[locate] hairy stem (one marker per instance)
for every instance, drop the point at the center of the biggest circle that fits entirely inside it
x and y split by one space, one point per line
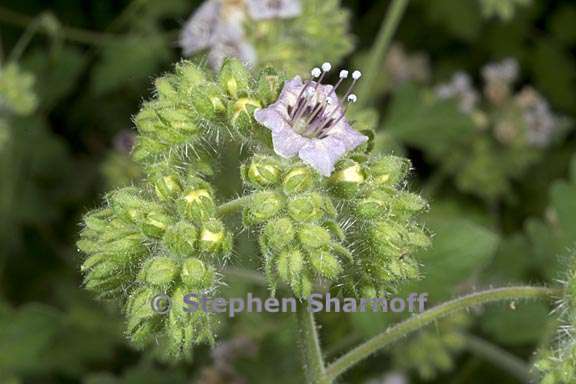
420 320
233 206
500 358
378 52
309 344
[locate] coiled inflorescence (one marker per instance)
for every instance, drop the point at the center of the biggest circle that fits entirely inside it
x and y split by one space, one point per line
350 224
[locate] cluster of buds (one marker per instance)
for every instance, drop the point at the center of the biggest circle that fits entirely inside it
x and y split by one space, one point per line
290 34
354 229
162 239
331 214
16 90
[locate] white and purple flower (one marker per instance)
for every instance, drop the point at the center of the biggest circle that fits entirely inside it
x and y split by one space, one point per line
308 120
273 9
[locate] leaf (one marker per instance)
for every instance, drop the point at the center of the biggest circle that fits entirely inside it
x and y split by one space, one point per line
426 124
130 60
522 324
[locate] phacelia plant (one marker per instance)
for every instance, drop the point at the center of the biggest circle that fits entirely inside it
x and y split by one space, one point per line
324 210
291 35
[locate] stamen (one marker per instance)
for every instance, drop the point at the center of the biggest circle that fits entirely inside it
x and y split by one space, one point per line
356 75
315 72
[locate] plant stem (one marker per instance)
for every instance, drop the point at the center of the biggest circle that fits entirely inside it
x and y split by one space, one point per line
500 358
233 205
73 34
378 52
310 347
420 320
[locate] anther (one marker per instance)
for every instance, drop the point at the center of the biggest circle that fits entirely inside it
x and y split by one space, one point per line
326 67
343 74
316 72
352 98
356 75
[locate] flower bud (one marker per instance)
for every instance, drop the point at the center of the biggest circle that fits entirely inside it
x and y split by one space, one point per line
418 238
307 207
129 205
376 204
408 203
302 285
325 264
195 274
289 265
262 171
208 100
241 115
146 147
269 86
386 237
165 88
181 239
389 170
234 78
155 223
299 179
178 126
262 207
214 238
159 271
98 220
190 75
197 203
167 187
278 234
348 178
314 236
141 316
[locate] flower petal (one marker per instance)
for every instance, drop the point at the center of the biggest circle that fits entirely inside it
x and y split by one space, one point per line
288 143
323 154
199 29
271 118
269 9
350 137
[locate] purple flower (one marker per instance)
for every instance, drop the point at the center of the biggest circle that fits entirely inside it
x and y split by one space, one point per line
270 9
219 27
308 120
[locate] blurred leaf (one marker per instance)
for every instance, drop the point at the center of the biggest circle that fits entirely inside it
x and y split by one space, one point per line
431 126
521 325
129 60
462 18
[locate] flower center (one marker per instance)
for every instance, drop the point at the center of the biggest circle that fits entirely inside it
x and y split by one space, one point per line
317 108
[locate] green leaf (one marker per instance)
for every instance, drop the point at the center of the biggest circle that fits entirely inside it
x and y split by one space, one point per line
433 126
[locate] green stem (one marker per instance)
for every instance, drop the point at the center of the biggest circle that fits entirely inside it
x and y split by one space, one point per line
420 320
378 52
500 358
73 34
233 205
309 344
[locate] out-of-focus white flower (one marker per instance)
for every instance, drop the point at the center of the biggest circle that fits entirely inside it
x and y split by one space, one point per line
460 88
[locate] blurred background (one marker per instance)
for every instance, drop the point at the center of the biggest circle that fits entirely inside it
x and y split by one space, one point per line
479 94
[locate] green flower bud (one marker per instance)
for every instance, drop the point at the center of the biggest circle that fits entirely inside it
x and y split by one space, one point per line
302 285
241 115
98 220
159 271
262 207
348 178
408 203
147 121
307 207
195 274
325 264
289 265
234 78
155 223
181 239
314 236
214 238
146 148
190 75
386 237
178 126
299 179
127 246
279 233
128 204
208 100
197 203
167 187
418 238
376 204
269 86
262 171
165 87
141 325
390 170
